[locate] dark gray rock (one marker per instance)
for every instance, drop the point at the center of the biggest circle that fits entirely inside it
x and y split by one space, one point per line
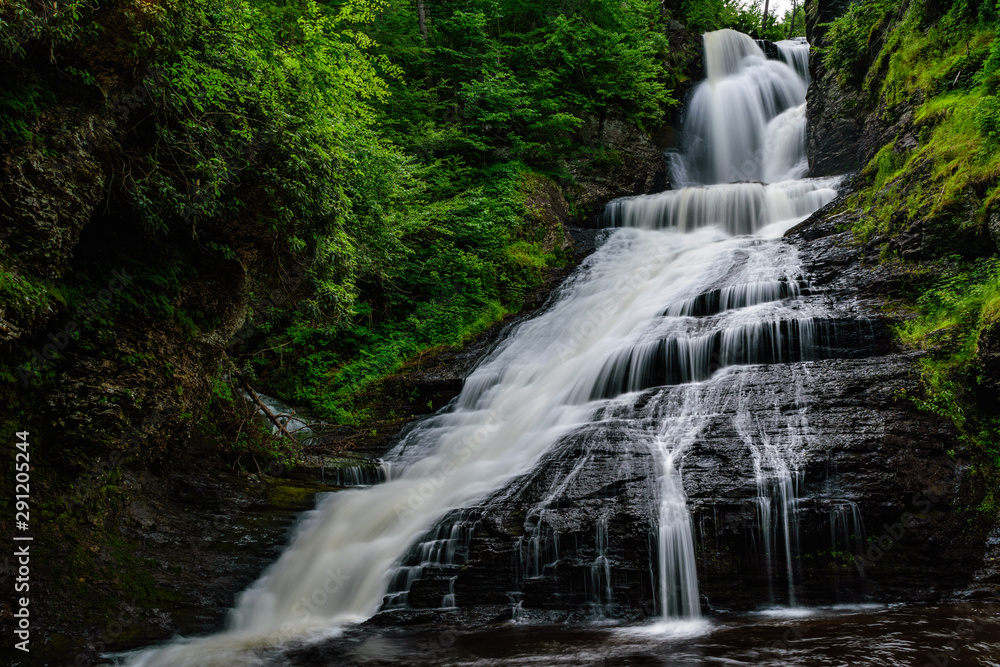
993 226
988 358
624 162
769 48
834 130
818 14
48 198
833 134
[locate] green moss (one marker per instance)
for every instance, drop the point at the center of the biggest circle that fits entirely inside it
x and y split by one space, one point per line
27 298
945 62
952 314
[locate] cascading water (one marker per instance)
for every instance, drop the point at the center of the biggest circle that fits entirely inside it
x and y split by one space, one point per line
674 300
599 588
745 101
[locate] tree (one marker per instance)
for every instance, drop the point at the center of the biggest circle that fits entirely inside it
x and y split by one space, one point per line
791 22
422 18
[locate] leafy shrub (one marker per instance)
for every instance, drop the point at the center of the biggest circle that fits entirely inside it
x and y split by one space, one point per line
852 36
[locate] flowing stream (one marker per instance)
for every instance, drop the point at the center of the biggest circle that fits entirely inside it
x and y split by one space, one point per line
689 292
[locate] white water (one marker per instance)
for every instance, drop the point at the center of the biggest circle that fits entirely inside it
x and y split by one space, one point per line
728 117
625 321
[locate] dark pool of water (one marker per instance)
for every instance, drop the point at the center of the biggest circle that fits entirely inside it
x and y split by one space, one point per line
936 636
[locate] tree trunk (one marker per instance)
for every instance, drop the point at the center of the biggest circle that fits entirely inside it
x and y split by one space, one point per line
791 24
270 415
763 20
422 19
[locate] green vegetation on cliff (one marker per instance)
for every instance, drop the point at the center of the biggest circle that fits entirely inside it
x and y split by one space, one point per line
927 75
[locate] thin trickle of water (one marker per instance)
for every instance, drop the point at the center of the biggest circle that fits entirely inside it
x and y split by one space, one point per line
678 577
600 571
847 528
448 601
775 446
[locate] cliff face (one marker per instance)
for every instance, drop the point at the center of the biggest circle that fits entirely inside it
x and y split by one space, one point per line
834 133
879 507
924 230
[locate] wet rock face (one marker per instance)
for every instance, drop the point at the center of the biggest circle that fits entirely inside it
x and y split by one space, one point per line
872 492
821 12
769 48
834 130
833 133
988 359
993 227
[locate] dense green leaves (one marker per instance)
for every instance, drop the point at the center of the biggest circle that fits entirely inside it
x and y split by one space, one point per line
521 76
393 165
275 101
746 16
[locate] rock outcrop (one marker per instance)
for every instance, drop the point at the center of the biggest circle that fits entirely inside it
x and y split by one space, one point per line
623 162
834 131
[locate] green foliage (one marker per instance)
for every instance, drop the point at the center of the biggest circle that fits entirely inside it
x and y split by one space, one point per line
271 101
20 103
855 33
500 79
794 22
496 92
468 265
27 25
953 312
27 299
394 166
746 16
944 60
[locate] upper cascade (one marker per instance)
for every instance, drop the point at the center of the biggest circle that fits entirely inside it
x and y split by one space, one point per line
795 52
725 51
746 121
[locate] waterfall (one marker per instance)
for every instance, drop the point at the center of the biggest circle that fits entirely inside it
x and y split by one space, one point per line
692 290
728 116
678 578
795 52
599 584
